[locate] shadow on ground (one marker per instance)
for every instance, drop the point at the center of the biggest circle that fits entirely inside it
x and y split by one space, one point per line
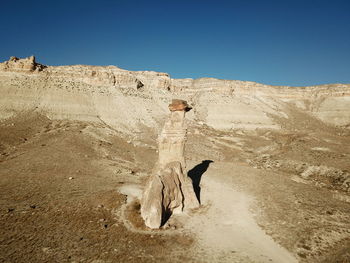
196 174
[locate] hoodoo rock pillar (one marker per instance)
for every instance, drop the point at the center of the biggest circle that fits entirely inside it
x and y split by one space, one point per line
169 189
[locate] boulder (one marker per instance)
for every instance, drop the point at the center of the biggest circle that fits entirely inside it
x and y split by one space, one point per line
163 195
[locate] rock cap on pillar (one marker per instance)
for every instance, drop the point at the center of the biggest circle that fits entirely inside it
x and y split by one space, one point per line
179 105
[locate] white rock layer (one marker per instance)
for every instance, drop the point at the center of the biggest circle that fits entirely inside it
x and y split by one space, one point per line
127 100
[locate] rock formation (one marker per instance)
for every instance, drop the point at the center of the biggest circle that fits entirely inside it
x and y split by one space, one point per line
169 190
128 100
21 65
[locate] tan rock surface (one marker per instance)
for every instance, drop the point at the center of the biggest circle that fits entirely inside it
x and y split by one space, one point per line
127 100
169 190
21 65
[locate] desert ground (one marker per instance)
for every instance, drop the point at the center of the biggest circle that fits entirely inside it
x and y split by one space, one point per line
69 193
70 183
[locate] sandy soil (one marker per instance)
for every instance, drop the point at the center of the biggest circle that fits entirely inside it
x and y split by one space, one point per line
69 193
228 226
48 217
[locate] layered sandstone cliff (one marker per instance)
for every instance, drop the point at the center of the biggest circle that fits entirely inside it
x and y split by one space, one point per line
127 100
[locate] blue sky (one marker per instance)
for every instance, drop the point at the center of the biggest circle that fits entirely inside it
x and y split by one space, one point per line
295 43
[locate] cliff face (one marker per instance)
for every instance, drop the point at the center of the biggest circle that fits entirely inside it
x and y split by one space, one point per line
127 100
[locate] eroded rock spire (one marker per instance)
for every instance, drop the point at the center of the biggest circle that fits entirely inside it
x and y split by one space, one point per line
169 190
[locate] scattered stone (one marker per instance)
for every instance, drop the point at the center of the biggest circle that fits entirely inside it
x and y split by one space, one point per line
70 178
33 206
139 84
45 249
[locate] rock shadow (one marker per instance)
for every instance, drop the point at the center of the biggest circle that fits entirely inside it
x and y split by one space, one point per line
196 174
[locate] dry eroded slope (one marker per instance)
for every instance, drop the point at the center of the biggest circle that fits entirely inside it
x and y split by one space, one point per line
126 99
274 183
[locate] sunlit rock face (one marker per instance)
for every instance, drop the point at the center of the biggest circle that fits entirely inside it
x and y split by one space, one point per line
169 190
129 100
21 65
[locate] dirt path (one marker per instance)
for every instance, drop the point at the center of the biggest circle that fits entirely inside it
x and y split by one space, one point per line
227 231
224 228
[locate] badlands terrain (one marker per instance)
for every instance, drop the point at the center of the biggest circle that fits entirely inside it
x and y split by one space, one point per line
270 166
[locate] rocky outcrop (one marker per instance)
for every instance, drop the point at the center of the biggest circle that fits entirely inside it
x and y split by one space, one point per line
109 76
250 105
21 65
169 190
122 99
127 100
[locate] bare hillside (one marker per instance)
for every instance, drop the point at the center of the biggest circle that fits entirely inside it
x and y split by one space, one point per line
270 166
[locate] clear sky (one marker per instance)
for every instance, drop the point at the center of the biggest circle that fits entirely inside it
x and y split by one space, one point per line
279 42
